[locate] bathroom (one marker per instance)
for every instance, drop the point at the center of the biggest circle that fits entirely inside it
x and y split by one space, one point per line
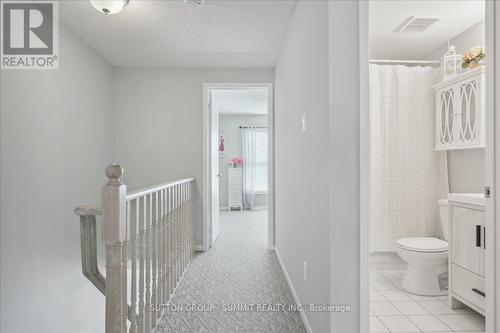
427 165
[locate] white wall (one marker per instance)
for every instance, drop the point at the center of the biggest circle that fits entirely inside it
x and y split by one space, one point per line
474 36
301 159
56 140
229 126
159 125
344 170
465 167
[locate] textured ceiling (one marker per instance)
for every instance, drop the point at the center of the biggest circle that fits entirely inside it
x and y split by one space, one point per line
221 34
386 15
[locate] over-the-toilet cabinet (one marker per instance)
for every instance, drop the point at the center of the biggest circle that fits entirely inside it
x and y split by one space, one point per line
467 246
460 111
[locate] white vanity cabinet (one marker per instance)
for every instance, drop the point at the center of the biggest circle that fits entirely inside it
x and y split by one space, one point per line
468 240
235 188
467 246
460 106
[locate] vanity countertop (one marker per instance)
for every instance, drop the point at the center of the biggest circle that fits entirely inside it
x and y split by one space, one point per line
468 198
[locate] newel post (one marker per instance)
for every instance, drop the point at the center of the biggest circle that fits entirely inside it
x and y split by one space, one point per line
114 227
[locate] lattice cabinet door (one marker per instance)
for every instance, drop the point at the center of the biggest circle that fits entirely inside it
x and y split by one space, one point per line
446 106
471 102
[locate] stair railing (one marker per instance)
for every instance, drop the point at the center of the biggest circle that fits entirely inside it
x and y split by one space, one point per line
149 243
88 241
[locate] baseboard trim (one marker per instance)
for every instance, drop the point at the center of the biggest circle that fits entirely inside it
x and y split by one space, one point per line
236 209
292 289
198 248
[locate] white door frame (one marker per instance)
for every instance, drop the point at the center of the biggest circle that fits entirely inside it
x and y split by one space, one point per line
492 161
490 165
364 99
492 253
207 155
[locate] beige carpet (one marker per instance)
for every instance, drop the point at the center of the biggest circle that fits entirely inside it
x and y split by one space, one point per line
224 283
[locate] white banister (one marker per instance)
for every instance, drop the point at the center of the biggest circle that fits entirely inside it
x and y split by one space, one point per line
149 243
133 216
142 259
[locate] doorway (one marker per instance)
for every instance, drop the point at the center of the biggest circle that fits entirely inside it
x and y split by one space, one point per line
395 306
238 156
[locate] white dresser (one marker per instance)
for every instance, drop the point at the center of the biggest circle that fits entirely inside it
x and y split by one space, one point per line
235 188
467 250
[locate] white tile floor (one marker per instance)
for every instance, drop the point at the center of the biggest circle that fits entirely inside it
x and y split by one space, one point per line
394 310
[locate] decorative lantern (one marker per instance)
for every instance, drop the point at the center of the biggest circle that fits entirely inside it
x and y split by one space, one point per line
452 62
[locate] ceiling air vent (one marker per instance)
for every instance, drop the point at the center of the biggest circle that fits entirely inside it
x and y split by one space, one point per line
415 24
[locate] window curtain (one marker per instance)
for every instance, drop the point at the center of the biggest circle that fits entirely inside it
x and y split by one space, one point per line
248 140
406 175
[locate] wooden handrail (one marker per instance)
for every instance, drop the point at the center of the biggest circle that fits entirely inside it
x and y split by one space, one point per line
88 243
148 235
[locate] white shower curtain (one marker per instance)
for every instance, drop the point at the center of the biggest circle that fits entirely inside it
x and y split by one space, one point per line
248 141
407 176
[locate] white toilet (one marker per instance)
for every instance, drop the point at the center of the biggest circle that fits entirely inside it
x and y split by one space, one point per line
427 258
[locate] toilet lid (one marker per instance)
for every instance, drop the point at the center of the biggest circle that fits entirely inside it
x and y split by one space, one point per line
423 244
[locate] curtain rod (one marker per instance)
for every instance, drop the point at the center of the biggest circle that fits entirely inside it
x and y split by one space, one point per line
386 61
252 127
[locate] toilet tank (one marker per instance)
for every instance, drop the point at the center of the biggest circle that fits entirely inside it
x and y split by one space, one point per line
444 218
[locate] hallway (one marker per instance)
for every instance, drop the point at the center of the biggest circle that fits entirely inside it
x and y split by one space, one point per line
237 271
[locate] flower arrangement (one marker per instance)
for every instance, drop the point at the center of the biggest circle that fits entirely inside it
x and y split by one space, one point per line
474 57
236 162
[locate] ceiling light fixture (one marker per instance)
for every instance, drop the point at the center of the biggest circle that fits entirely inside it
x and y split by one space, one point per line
109 7
195 3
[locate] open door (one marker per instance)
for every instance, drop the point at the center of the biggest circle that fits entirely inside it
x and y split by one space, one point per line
214 166
212 104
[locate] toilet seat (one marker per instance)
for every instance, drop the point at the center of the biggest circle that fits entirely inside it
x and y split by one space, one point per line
422 244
